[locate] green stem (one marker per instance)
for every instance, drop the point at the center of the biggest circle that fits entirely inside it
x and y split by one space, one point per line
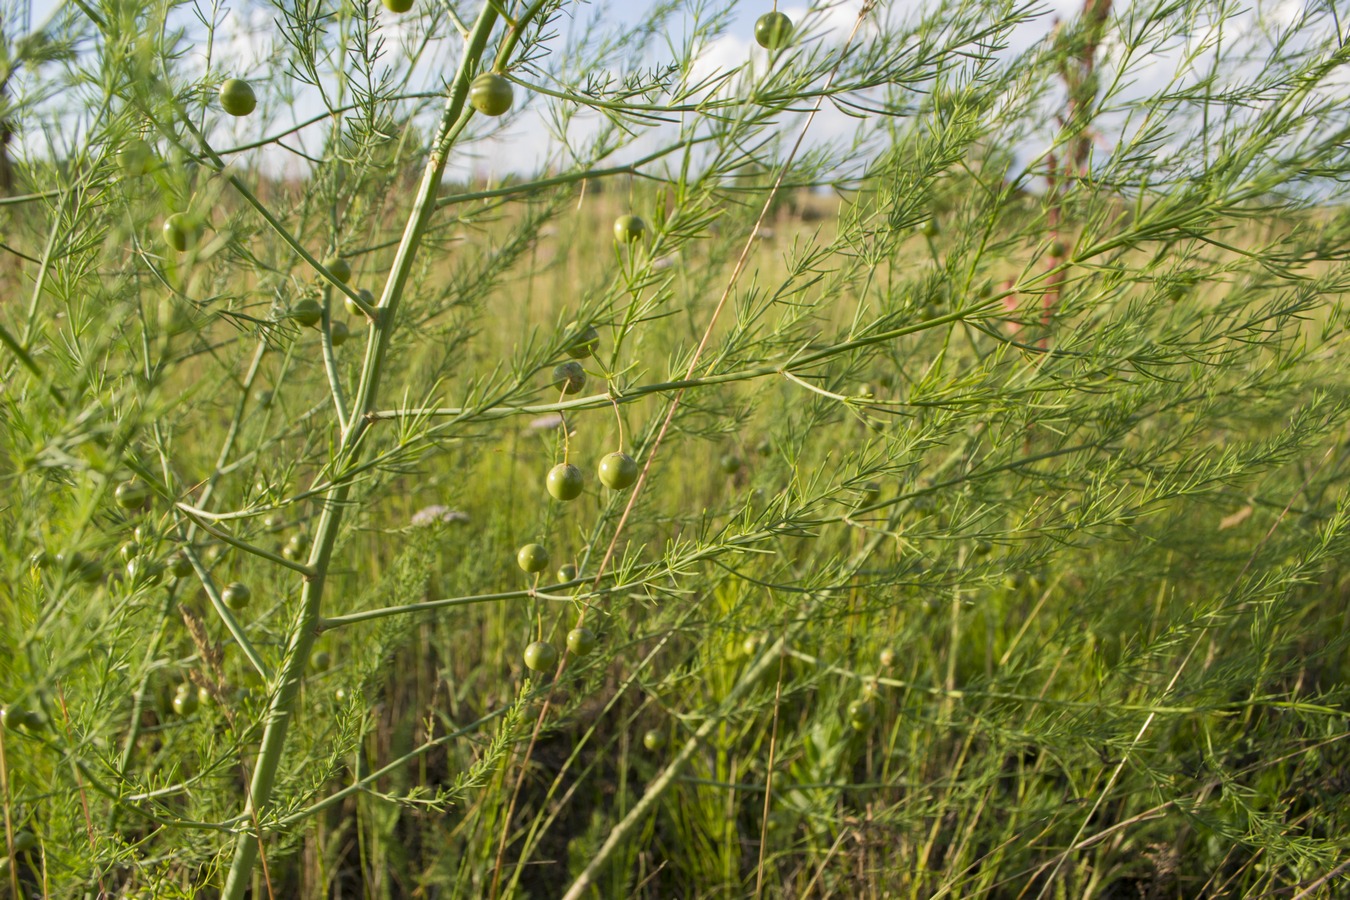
304 630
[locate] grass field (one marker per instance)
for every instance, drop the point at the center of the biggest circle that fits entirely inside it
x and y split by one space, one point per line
990 526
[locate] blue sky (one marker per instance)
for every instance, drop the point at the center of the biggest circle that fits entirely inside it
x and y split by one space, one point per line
249 31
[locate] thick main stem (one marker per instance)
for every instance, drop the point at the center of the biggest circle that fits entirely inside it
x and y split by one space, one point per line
305 628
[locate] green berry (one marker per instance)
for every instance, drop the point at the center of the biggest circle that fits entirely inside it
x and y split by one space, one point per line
569 377
237 97
307 312
135 157
629 228
581 641
321 661
236 595
618 471
146 571
491 94
297 547
339 332
532 558
860 714
730 464
87 570
565 482
773 30
928 228
180 565
24 842
339 268
186 701
181 231
581 342
398 6
352 309
541 657
653 740
566 573
132 494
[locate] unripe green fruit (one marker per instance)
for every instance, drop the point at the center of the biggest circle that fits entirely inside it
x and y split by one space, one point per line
567 572
569 377
180 565
541 657
773 31
297 547
581 342
581 641
307 312
132 494
398 6
352 309
629 228
24 842
147 571
860 714
339 332
186 701
236 595
237 97
491 94
870 494
928 228
321 661
87 570
654 740
565 482
135 157
731 464
618 471
339 268
181 231
532 558
128 551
